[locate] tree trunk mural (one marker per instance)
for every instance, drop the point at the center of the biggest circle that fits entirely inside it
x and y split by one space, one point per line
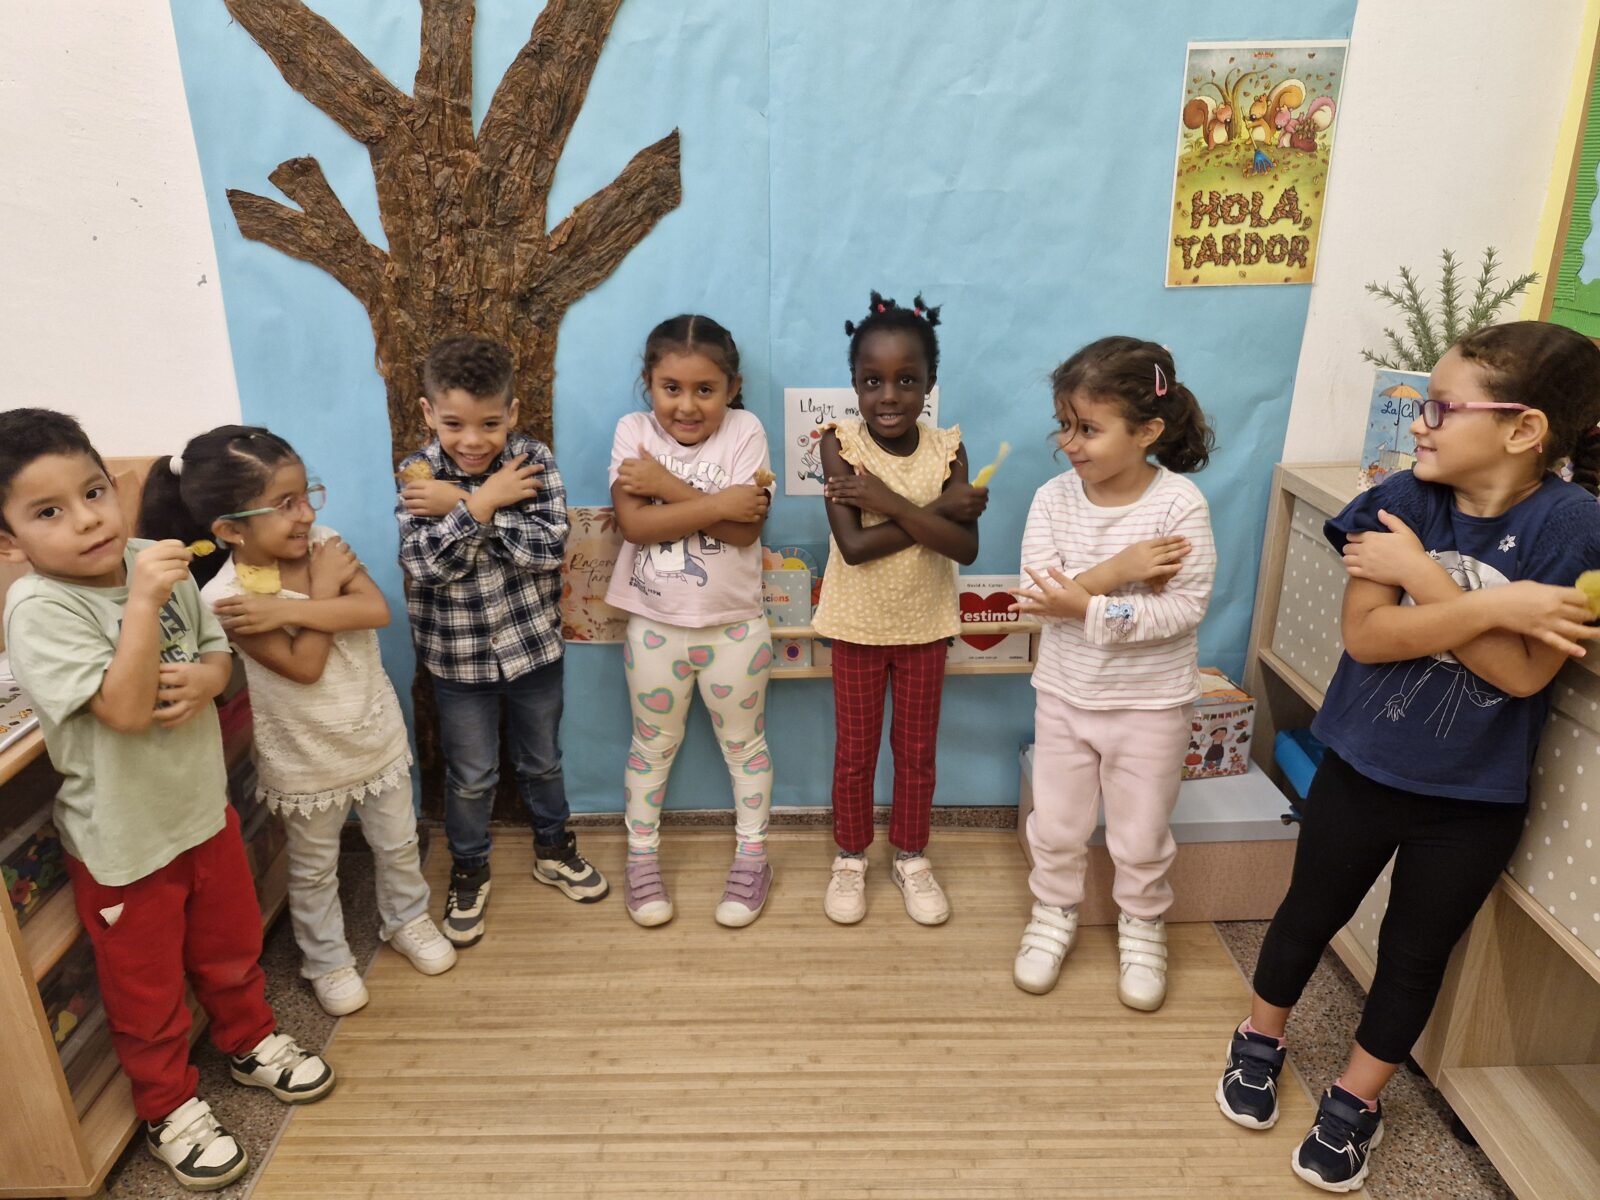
464 212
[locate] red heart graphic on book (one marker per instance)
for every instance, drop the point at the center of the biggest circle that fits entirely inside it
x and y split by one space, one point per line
986 608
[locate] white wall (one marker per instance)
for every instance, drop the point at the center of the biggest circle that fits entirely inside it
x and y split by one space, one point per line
111 307
1447 138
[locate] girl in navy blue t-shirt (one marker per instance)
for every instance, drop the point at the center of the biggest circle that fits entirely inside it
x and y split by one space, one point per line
1458 613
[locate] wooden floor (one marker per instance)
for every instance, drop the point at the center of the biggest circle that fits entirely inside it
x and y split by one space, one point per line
572 1053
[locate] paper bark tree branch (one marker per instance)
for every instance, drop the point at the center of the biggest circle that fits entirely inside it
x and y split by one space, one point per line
464 214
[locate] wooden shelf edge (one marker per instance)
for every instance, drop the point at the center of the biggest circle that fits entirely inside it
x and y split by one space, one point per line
968 629
1298 683
1008 668
1512 1109
1563 937
20 753
51 931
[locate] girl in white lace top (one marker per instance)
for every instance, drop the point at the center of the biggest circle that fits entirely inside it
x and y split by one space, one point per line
329 735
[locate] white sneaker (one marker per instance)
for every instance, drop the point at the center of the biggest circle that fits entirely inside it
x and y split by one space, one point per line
424 946
925 899
201 1154
1047 938
1143 949
845 901
340 991
278 1064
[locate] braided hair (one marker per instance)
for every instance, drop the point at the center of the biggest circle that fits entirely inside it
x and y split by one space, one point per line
884 315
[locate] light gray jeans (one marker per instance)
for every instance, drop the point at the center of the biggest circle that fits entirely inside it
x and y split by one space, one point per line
390 827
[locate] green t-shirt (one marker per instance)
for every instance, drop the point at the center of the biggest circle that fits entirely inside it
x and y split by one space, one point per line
131 802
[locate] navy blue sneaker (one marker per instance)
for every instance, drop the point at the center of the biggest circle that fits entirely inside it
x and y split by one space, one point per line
1247 1093
1334 1154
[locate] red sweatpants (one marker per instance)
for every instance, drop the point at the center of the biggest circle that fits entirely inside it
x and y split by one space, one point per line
197 919
915 677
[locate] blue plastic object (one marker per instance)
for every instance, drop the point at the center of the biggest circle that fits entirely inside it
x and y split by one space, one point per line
1299 755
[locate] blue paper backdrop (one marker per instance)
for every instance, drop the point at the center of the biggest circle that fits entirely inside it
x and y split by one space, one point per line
1012 161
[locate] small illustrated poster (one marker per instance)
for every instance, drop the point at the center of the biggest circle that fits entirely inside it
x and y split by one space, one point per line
806 412
986 599
1255 132
1397 398
594 542
786 595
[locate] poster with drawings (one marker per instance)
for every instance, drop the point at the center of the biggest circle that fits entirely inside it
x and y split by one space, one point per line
806 411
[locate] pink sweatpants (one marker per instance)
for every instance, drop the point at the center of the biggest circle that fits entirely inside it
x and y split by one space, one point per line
1132 761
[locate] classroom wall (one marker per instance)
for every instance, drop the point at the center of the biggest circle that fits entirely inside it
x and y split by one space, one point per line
824 153
1448 140
991 159
112 307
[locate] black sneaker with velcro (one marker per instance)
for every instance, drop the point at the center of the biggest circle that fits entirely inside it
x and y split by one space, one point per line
1334 1155
1247 1093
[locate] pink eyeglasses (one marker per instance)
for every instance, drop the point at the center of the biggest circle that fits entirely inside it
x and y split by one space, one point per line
1433 411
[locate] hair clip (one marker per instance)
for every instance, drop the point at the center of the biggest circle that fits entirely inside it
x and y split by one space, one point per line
1161 381
175 464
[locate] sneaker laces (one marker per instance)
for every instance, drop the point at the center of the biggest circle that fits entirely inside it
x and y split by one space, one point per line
339 976
201 1129
421 933
462 897
921 882
284 1055
849 882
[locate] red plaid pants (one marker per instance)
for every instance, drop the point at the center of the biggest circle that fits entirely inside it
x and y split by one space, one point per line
914 676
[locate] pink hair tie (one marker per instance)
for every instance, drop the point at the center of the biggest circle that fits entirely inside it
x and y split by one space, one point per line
1161 381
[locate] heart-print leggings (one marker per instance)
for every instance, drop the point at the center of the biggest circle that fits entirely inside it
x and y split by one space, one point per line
731 664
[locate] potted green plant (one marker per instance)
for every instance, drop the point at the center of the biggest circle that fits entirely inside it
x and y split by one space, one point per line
1432 325
1435 324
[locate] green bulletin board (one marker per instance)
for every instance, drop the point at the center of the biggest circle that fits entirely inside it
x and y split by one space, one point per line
1574 302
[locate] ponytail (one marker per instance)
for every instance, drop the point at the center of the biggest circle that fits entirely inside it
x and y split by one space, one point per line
1586 461
1186 443
222 471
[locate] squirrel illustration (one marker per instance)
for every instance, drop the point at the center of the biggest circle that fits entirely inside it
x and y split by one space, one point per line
1215 120
1274 122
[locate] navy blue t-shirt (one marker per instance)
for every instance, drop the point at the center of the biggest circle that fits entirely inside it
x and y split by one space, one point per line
1430 725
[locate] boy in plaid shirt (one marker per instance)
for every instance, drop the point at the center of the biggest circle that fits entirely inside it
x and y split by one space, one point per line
483 523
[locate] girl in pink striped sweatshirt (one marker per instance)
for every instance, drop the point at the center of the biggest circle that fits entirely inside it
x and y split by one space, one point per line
1118 559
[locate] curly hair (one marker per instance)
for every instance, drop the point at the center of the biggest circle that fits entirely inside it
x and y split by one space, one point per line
477 365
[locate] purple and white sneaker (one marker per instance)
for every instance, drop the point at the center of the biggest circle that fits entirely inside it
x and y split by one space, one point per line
745 893
645 893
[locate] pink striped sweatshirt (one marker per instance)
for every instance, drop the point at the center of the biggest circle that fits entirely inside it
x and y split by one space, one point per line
1134 648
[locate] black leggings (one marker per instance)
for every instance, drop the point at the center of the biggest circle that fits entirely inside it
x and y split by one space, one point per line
1450 852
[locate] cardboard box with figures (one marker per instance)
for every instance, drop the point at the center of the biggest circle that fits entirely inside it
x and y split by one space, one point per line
1220 730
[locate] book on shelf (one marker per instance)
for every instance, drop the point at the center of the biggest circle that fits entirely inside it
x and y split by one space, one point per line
17 716
1397 398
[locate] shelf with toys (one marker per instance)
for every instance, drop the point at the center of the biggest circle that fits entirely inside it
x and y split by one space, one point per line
784 633
1514 1043
55 1044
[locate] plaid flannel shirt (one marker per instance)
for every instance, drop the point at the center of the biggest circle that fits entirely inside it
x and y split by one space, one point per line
484 599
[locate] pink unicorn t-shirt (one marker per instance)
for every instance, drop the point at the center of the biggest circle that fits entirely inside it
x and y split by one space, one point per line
697 580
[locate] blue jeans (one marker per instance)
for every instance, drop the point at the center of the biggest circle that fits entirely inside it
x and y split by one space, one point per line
469 733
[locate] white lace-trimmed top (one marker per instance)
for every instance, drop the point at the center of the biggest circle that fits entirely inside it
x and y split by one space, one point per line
318 744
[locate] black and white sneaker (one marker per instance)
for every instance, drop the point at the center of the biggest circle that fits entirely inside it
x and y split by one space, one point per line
561 866
1247 1093
464 908
1334 1154
201 1154
278 1064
